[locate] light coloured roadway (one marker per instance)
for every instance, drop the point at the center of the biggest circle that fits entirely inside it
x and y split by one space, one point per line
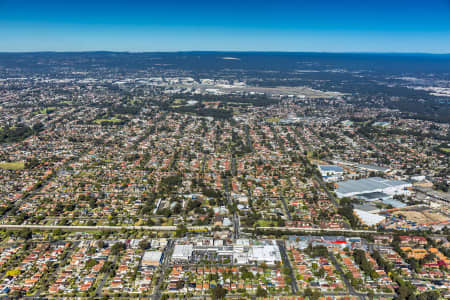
171 228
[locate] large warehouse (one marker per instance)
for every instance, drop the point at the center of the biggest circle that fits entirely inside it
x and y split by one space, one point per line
182 253
352 188
269 254
331 173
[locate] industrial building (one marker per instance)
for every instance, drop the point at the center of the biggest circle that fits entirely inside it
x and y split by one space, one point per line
152 258
242 253
268 254
331 172
367 218
182 253
336 242
381 197
351 188
372 168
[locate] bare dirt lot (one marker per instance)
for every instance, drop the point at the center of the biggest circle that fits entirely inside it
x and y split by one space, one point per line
422 217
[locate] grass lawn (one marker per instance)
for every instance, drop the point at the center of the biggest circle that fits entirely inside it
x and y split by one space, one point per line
446 150
264 223
273 120
99 121
47 110
17 165
179 101
239 104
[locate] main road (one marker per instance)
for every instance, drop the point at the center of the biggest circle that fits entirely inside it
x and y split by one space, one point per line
167 254
170 228
101 228
293 229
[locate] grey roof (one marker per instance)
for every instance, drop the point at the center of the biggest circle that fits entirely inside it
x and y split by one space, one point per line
365 207
331 168
394 203
182 251
366 185
374 196
333 238
372 167
152 256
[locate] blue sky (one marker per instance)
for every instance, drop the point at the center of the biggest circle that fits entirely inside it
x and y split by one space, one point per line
169 25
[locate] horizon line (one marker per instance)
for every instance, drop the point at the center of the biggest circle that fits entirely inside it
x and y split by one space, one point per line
224 51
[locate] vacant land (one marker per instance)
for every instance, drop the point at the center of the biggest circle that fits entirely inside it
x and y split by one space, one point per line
423 217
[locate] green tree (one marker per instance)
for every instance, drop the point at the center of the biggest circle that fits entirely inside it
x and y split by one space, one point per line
218 292
181 230
315 295
144 244
117 247
261 293
90 263
308 292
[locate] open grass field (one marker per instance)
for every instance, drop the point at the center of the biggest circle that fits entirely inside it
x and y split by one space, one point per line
99 121
179 101
265 223
47 110
238 104
446 150
273 120
17 165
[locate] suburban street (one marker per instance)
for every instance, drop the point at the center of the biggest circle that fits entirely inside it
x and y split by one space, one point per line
287 263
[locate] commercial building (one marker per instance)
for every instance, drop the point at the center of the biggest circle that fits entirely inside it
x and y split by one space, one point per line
152 258
372 168
331 172
182 253
352 188
374 196
368 218
243 252
268 254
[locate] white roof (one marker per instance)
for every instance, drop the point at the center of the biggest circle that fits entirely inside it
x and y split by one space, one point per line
182 251
240 258
152 256
242 242
267 253
368 218
330 168
367 185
